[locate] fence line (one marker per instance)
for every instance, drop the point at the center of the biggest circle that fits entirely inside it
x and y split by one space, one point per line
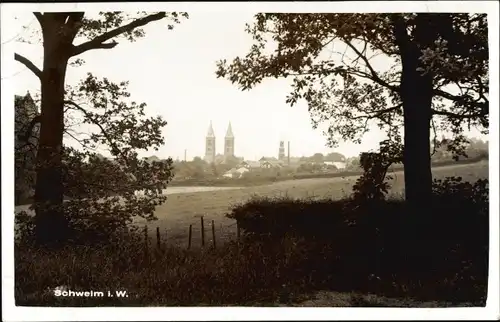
164 245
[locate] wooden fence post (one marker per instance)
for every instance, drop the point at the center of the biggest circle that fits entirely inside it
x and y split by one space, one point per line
237 231
202 232
146 239
213 232
158 240
190 235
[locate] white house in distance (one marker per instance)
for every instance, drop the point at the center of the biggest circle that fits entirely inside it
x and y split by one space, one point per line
250 164
235 172
272 164
338 165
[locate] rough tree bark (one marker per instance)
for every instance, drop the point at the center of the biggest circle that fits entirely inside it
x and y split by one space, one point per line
416 93
59 30
51 226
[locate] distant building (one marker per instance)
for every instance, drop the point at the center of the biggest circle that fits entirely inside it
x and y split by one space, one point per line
153 158
281 153
219 159
229 173
338 165
250 164
295 160
229 143
272 164
210 145
26 138
268 159
235 172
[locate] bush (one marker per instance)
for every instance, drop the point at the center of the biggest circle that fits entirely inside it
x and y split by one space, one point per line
87 227
367 243
290 248
233 275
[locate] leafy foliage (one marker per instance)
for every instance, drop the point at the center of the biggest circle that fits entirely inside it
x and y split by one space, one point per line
102 192
369 244
334 62
372 184
289 248
477 192
26 142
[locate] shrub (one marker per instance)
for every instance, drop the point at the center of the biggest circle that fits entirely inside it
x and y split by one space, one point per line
94 226
232 275
367 243
290 248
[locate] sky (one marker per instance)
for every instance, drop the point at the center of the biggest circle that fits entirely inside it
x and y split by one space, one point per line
173 72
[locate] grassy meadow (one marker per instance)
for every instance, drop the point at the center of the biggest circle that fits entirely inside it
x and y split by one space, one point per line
184 209
341 266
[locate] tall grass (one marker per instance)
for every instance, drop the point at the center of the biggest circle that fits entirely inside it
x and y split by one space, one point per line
289 249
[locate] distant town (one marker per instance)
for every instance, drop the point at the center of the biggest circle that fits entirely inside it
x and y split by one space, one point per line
228 165
126 180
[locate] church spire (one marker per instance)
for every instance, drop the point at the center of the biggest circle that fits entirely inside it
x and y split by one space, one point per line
210 133
229 133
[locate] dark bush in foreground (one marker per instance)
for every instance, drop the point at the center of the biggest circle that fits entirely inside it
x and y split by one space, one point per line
369 244
290 248
233 275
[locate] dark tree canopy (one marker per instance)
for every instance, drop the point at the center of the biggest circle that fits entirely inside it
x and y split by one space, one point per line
331 60
412 72
101 189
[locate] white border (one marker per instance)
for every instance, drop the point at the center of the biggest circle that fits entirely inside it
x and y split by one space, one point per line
12 313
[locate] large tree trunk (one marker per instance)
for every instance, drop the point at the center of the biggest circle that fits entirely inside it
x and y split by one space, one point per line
51 226
416 93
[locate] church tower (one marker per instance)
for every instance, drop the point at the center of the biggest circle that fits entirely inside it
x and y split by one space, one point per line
229 143
281 153
210 145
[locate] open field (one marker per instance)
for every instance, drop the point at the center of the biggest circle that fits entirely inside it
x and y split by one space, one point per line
185 205
269 179
183 209
159 281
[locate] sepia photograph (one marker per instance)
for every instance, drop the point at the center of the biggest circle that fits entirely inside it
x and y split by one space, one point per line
249 156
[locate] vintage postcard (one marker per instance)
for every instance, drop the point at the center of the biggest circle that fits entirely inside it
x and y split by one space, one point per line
250 160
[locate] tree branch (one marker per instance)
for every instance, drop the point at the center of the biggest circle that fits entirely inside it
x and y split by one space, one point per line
115 148
434 139
374 76
98 42
26 62
75 23
25 137
455 98
402 39
456 116
379 113
38 16
356 72
21 148
66 131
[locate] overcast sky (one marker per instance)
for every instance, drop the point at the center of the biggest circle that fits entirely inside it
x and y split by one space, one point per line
174 73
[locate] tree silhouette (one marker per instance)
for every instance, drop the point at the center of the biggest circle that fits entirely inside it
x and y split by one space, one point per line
317 157
434 76
335 157
101 103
